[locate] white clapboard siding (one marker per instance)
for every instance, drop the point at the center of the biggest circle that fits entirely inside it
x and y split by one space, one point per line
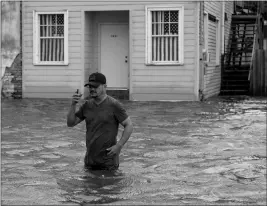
52 72
163 82
88 45
169 84
163 90
52 94
162 96
160 72
44 78
177 82
212 78
51 81
50 89
171 78
52 84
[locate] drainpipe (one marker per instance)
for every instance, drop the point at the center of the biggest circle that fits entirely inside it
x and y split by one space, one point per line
201 45
222 42
223 20
1 46
21 50
1 40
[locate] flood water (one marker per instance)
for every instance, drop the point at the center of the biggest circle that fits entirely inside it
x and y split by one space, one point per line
211 152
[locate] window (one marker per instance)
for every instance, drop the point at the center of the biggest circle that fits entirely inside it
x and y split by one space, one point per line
51 38
212 40
164 35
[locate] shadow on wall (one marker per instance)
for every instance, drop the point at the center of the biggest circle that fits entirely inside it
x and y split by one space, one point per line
12 80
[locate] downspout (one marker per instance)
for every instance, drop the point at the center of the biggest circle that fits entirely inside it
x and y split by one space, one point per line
21 48
223 20
222 43
197 76
200 37
1 68
1 46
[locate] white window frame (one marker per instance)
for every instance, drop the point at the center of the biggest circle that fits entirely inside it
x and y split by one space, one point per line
149 10
36 39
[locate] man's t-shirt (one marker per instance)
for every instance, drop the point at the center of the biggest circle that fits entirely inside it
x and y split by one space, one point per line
102 123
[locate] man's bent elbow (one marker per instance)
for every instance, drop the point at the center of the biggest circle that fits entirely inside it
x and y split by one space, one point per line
70 123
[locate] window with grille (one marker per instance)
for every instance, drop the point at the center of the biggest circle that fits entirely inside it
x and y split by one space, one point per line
51 38
164 35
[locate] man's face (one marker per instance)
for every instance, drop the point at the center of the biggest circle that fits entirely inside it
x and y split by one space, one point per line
96 91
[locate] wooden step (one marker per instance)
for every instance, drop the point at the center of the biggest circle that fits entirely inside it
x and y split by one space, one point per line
229 78
244 17
235 87
240 50
237 78
234 38
233 68
235 92
248 55
240 37
242 22
231 62
231 71
240 42
243 27
242 67
236 81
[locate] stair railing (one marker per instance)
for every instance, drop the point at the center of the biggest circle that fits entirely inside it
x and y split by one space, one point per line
253 53
255 43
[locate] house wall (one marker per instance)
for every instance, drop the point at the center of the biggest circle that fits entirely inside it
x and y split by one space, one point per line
41 81
212 72
88 47
164 82
147 82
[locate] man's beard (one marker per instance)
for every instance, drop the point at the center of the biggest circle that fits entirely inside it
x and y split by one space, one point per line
93 95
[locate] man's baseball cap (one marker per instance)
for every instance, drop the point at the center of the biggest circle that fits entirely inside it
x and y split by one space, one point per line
96 79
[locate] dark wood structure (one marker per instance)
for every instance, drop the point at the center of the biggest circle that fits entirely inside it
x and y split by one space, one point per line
243 63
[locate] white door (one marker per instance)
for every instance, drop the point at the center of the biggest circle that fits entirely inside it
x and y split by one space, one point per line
114 54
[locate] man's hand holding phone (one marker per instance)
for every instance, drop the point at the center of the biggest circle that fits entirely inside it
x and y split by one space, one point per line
76 97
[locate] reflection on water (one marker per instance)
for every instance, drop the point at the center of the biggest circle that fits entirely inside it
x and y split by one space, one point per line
198 153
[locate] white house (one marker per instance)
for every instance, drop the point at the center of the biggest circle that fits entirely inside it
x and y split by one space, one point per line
148 50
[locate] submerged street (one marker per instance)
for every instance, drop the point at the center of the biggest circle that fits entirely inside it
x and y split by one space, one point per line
211 152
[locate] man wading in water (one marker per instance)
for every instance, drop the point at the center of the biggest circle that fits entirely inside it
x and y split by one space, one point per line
102 114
